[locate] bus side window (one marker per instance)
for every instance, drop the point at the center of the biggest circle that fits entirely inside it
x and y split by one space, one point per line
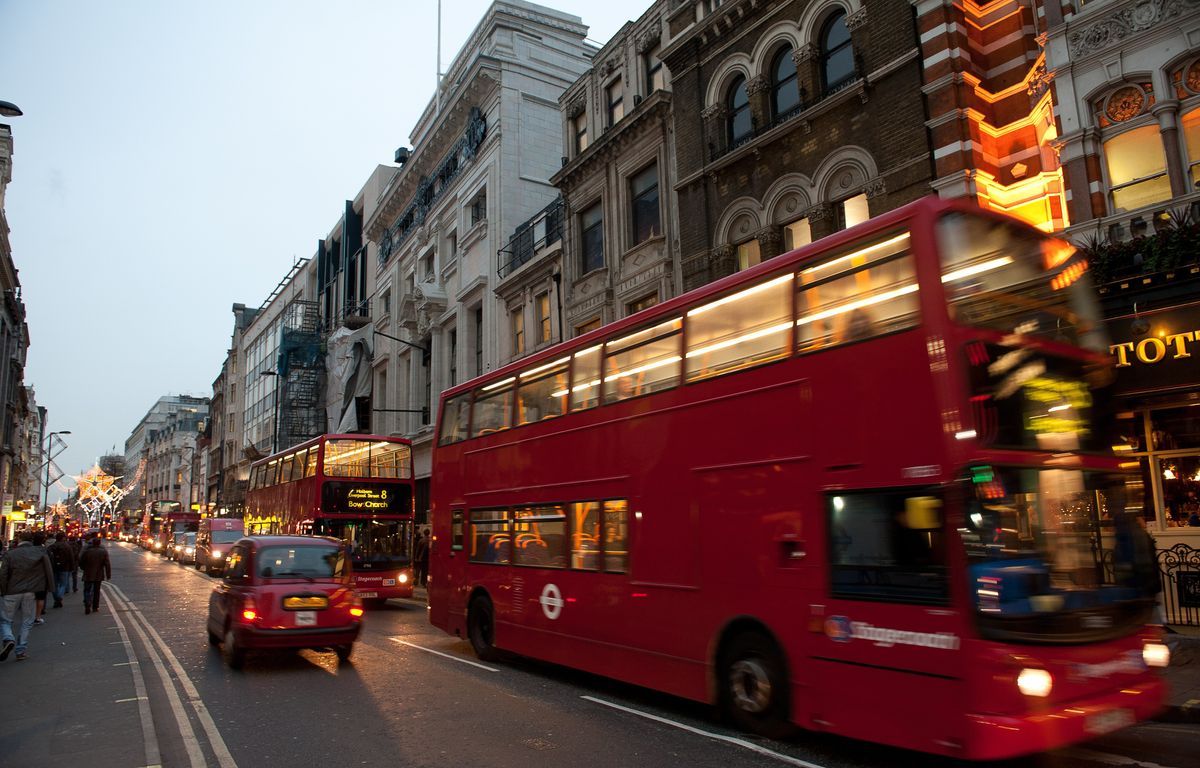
456 529
616 536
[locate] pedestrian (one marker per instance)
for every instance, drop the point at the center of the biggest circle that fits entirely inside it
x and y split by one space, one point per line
39 542
77 548
24 571
421 559
62 557
96 568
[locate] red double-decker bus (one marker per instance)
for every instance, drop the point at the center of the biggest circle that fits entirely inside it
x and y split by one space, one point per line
357 488
865 487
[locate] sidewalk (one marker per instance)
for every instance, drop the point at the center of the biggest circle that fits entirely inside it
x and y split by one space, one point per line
72 700
1183 676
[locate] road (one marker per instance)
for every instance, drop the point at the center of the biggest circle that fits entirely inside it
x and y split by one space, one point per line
413 696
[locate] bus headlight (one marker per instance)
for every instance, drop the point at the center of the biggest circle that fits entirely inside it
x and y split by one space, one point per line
402 577
1035 682
1156 655
216 555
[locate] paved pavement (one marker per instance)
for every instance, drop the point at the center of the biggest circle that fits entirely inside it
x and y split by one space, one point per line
75 696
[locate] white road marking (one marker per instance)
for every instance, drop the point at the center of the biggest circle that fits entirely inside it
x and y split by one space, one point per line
219 748
135 698
709 734
149 735
444 655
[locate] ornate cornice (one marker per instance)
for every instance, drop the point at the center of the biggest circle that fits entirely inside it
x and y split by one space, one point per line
714 112
769 237
577 105
875 188
652 114
758 84
819 212
856 19
804 54
648 39
1125 22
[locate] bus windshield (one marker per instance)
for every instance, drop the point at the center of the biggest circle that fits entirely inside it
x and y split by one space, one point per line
373 544
1009 278
347 457
1053 554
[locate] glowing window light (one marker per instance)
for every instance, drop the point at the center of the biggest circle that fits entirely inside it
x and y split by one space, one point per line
856 254
888 296
642 368
501 383
740 295
546 367
976 269
738 340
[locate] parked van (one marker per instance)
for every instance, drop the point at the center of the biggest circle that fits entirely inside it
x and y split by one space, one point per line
216 536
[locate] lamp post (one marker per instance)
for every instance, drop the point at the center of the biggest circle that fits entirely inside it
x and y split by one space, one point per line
8 109
49 458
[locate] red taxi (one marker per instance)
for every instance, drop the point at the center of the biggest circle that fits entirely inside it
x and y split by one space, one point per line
284 592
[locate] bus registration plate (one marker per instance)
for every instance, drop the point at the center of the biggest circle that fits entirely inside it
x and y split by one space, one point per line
368 594
306 618
1108 721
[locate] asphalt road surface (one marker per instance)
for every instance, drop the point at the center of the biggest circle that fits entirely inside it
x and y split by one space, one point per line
414 696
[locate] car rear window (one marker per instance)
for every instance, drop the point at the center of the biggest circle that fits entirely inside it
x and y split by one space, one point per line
304 561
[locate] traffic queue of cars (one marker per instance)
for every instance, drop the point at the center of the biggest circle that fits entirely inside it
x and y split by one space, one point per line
272 592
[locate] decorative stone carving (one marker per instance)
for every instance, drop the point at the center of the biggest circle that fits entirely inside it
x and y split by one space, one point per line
819 212
613 63
721 259
1191 78
804 54
1122 23
1125 103
714 112
769 239
577 105
856 19
648 39
874 188
1039 80
758 84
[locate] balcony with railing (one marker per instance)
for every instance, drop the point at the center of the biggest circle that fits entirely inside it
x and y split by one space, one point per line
1145 241
534 239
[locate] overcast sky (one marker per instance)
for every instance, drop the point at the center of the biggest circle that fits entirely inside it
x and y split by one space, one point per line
177 157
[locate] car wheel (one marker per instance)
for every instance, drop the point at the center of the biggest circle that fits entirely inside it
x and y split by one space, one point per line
344 651
754 686
481 628
235 655
214 639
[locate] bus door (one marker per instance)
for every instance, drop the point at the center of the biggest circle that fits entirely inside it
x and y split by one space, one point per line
886 640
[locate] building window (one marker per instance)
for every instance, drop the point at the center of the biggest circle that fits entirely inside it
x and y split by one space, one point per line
387 301
748 254
451 247
542 304
837 54
738 102
655 78
479 341
616 102
850 212
1191 135
644 188
591 225
453 357
643 303
785 88
796 234
427 267
517 321
587 327
428 376
1137 168
478 207
579 126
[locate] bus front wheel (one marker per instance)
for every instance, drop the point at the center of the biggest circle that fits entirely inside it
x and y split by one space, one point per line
481 628
753 686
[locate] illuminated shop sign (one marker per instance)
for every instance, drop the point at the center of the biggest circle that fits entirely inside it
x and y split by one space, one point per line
1155 351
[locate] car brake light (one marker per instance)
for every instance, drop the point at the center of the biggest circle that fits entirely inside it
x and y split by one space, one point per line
249 610
356 611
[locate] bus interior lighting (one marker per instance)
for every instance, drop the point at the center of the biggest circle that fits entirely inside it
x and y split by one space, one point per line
546 367
1035 682
738 340
643 368
966 434
857 254
1156 655
976 269
839 503
741 295
853 305
499 384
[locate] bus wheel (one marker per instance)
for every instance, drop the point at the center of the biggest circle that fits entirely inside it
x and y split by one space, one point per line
481 628
234 654
753 686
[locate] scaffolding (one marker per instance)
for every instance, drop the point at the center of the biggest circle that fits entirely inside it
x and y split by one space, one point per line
301 370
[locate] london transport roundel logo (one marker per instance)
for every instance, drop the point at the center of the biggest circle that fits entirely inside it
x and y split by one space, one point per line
837 628
551 600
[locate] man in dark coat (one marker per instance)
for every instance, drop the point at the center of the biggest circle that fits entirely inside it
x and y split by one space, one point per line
421 560
77 548
96 568
24 571
62 558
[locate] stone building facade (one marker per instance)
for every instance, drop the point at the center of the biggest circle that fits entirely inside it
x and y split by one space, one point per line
792 121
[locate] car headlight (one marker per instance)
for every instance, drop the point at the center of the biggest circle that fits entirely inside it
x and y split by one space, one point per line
189 551
1035 682
218 555
1156 655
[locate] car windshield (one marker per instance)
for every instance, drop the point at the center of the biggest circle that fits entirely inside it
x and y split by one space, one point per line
189 539
302 561
1054 555
225 537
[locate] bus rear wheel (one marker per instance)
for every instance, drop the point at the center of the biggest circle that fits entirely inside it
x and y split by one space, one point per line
481 628
753 686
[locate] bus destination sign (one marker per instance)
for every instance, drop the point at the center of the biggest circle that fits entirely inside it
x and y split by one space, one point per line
366 499
362 499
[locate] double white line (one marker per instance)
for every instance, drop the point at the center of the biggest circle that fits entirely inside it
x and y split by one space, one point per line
161 656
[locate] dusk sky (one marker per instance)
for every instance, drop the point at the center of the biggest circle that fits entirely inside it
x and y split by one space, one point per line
175 158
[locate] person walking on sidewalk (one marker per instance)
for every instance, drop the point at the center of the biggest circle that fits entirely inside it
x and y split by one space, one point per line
62 557
421 560
39 543
96 568
77 548
24 571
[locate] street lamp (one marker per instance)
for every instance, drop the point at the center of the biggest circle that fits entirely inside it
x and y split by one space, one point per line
8 109
49 445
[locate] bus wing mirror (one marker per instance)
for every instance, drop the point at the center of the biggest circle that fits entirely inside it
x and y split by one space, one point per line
923 513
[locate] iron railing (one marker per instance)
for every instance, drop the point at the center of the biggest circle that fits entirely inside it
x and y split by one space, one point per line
544 229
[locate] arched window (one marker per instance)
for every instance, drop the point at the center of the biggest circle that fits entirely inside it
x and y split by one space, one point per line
785 89
837 55
738 102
